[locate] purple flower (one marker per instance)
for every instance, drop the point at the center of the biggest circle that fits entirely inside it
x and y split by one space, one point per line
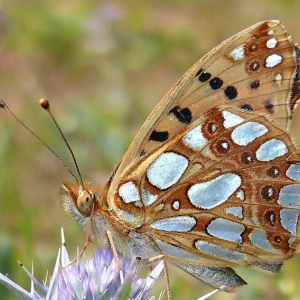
97 278
100 276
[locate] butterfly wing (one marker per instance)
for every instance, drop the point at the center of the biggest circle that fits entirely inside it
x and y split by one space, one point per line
212 177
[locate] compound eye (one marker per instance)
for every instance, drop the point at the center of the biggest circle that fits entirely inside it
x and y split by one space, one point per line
85 202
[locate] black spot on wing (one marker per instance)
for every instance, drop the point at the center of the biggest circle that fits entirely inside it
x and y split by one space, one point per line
203 75
269 106
254 84
216 83
159 136
231 92
142 153
247 107
183 115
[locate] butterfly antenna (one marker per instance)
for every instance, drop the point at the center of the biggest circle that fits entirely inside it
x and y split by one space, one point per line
4 106
46 105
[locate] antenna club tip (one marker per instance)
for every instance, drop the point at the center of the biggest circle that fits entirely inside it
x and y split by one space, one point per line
2 104
44 103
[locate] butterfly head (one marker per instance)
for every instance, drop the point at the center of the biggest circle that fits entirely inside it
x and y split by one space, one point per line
85 202
79 201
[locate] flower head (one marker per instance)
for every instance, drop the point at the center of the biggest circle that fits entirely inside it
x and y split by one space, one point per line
100 276
97 278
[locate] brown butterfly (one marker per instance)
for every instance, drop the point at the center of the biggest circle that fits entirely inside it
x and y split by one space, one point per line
212 179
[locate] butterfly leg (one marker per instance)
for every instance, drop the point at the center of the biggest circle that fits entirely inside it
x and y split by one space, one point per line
153 259
85 246
167 279
115 253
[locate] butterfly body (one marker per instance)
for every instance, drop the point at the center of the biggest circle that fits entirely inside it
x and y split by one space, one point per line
212 180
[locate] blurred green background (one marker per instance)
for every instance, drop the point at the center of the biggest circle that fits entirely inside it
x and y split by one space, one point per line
104 65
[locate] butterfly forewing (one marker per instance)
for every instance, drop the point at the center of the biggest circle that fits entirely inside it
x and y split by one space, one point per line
229 74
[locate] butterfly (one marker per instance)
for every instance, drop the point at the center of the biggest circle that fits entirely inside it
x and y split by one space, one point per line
212 179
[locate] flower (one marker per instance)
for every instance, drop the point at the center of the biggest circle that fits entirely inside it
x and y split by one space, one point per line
97 278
